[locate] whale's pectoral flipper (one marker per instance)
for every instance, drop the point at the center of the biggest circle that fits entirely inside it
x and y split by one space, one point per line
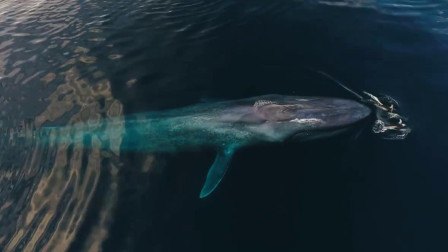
217 171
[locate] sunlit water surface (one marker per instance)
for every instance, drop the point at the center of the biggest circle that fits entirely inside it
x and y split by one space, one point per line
72 61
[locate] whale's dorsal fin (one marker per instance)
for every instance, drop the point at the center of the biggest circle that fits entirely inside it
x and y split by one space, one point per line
217 171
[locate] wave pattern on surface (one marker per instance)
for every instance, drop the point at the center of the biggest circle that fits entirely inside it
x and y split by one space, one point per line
60 60
430 14
48 75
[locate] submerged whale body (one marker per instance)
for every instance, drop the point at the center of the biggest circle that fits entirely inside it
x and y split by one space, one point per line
224 126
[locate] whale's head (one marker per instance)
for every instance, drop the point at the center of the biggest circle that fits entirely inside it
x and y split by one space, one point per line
281 117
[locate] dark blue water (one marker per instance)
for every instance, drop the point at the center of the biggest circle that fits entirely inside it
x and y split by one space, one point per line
66 61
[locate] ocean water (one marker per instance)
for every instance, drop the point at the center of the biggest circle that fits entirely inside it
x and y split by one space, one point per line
67 61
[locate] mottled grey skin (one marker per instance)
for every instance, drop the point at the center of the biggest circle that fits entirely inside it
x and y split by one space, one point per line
227 126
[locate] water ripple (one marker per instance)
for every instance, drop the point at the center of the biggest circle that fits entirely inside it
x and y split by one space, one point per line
428 14
48 73
59 60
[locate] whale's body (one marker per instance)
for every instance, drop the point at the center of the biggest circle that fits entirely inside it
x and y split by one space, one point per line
223 126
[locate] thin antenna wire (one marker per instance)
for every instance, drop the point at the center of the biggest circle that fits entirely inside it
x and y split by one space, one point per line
340 84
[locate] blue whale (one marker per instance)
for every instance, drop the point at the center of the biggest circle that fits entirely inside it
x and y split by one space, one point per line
223 126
